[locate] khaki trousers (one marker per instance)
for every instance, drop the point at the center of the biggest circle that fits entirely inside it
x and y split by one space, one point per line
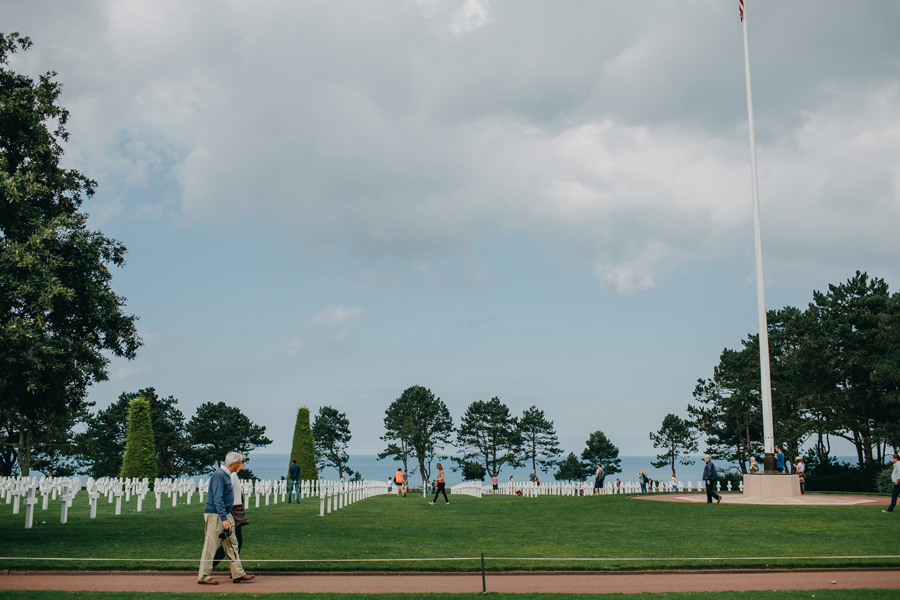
211 544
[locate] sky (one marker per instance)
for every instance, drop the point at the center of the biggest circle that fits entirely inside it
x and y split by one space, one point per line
325 203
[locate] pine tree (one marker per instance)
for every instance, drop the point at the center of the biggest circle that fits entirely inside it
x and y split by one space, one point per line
140 451
303 449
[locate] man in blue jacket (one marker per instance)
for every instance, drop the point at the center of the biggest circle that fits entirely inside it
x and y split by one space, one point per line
294 480
217 515
710 476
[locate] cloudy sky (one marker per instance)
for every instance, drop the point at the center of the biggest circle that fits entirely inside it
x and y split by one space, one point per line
549 202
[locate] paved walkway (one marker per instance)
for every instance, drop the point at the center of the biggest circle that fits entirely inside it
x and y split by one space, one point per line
804 500
578 583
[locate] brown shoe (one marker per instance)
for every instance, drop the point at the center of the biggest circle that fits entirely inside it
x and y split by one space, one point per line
244 579
209 581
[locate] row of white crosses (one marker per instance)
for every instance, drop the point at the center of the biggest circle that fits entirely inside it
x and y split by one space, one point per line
578 488
338 494
15 489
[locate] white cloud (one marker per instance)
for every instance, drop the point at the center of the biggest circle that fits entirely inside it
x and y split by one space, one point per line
130 372
334 315
610 131
296 346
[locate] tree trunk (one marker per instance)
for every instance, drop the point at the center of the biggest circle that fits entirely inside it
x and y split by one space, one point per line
23 451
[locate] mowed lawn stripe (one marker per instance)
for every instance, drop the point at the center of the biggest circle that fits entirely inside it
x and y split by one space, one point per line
609 527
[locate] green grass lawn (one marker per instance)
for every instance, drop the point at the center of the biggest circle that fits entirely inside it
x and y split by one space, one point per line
613 531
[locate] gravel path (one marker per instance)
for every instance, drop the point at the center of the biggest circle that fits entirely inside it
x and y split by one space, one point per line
579 583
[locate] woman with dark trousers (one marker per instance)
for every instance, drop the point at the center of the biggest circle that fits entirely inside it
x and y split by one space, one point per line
440 485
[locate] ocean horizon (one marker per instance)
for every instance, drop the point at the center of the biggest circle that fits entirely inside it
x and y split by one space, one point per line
275 465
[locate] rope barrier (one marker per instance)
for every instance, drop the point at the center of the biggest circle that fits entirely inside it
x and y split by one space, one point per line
464 558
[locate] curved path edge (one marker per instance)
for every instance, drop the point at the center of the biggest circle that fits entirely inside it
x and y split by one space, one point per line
511 582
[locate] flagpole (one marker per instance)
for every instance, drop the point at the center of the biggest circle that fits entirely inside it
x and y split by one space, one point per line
766 382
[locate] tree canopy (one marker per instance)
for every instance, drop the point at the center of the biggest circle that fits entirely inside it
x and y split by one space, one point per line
217 429
60 320
599 450
417 424
490 435
677 439
331 431
540 446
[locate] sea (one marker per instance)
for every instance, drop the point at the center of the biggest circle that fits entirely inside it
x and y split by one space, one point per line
274 466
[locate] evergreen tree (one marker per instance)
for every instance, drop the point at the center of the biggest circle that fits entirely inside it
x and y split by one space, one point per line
539 442
600 450
303 450
572 469
489 434
677 439
140 451
417 424
331 431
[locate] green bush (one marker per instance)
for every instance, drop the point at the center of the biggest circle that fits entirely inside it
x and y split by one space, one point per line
303 450
140 452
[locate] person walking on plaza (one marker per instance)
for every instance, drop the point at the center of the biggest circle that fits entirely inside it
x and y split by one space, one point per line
294 480
710 476
220 523
801 472
440 485
237 513
895 477
779 459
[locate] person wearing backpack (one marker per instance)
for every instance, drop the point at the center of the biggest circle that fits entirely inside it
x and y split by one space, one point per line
398 481
710 476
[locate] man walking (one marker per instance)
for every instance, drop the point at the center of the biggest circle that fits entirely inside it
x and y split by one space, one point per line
710 476
220 524
294 480
405 482
895 477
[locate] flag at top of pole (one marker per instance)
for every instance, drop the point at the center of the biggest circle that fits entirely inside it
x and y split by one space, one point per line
741 8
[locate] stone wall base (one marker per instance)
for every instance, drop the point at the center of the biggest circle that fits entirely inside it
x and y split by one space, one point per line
771 486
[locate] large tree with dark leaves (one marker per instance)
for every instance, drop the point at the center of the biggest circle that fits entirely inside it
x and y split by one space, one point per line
331 431
490 435
101 446
540 446
417 424
677 439
59 317
217 429
600 450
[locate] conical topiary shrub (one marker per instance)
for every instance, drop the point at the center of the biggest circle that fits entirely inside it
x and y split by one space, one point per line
303 449
140 451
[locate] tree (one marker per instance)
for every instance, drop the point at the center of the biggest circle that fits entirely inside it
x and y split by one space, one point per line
572 469
539 442
303 450
600 450
678 439
217 429
852 336
417 424
100 448
60 320
331 431
472 471
140 452
489 434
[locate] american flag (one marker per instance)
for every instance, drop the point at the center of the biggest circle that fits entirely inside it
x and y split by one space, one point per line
742 10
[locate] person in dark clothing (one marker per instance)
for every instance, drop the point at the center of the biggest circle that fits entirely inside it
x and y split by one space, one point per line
710 476
440 485
294 480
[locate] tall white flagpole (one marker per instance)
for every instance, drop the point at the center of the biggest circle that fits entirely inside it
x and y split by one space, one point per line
766 382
